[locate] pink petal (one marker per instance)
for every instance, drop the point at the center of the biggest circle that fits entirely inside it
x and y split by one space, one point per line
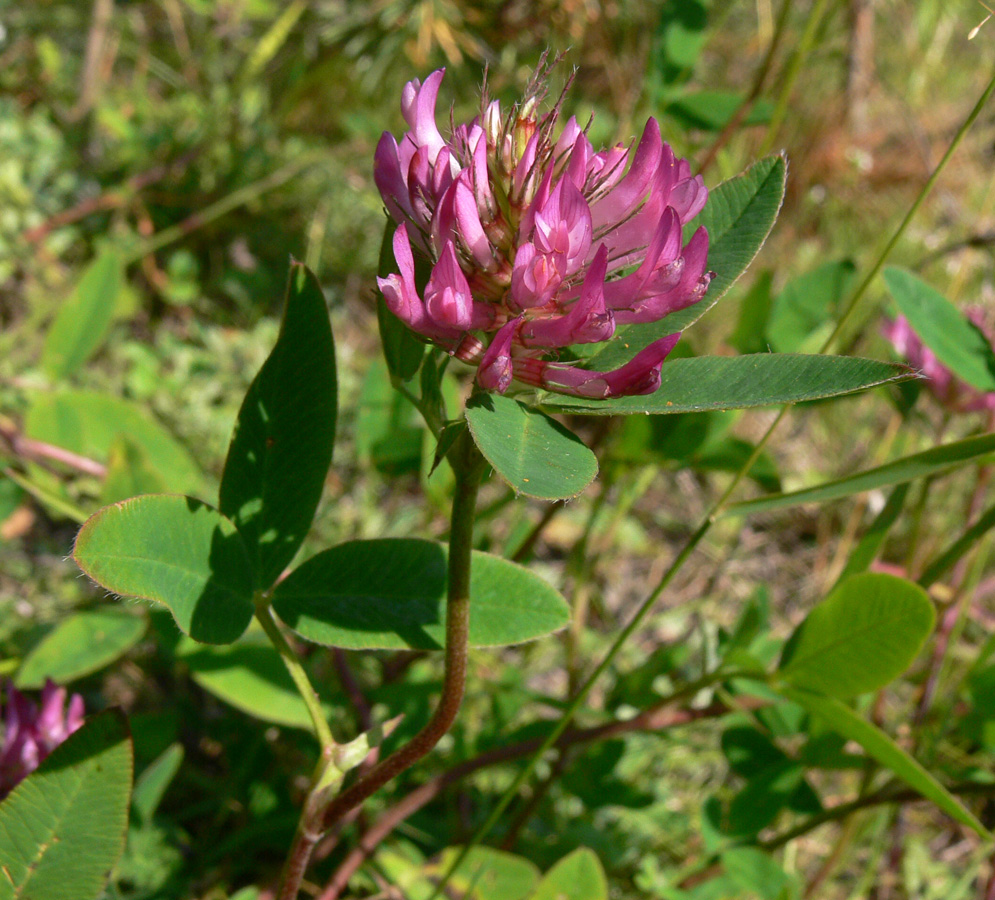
418 109
588 321
496 372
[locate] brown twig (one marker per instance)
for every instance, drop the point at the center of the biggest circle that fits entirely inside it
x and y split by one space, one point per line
41 452
656 718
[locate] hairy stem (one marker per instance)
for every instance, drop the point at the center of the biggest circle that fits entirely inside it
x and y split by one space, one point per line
468 466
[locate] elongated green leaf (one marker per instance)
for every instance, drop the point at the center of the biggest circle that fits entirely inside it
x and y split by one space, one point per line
899 471
391 594
250 676
739 215
578 876
62 828
79 645
740 382
949 557
83 320
282 445
177 551
870 544
90 423
535 454
861 637
957 342
151 785
845 722
52 497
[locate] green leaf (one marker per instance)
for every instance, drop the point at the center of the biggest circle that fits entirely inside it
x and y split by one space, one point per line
89 423
53 497
870 544
739 215
151 785
740 382
938 567
488 874
754 311
83 320
402 350
898 471
845 722
860 638
387 430
758 873
177 551
391 594
712 110
250 676
62 828
806 307
957 342
282 445
535 454
81 644
578 876
130 472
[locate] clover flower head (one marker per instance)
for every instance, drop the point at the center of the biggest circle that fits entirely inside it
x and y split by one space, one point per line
537 242
30 733
948 389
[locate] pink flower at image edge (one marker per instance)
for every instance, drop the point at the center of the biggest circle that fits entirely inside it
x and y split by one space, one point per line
948 389
30 733
537 242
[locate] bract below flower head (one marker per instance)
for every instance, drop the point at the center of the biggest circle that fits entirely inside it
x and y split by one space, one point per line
537 241
30 733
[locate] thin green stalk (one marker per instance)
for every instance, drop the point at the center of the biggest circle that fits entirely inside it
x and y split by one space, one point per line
264 615
802 51
692 543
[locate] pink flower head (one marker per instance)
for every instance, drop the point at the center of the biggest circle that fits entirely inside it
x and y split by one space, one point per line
538 242
30 734
948 389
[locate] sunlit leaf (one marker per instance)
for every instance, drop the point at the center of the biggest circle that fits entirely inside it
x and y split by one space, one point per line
740 382
860 638
177 551
282 445
391 593
535 454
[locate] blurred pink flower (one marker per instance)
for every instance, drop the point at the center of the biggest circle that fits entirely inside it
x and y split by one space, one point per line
948 389
30 733
536 241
